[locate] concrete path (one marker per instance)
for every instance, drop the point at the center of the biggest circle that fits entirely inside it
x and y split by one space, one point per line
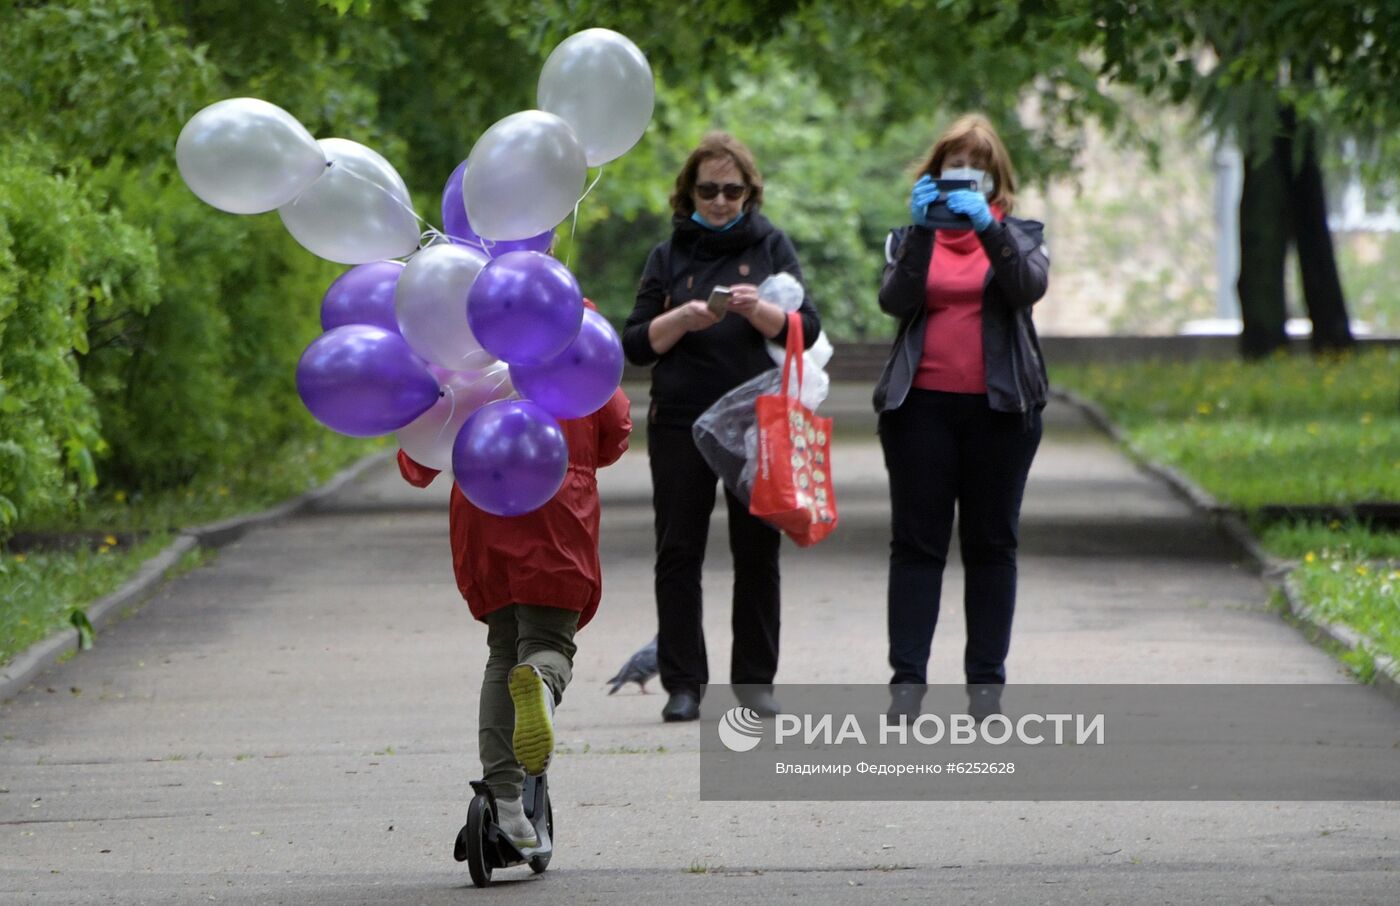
294 722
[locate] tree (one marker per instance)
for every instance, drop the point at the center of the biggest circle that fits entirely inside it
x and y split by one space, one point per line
1274 75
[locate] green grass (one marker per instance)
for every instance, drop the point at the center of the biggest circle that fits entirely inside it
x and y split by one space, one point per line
286 473
41 588
40 591
1294 541
1363 594
1289 430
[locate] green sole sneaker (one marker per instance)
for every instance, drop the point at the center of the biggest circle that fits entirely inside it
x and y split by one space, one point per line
534 719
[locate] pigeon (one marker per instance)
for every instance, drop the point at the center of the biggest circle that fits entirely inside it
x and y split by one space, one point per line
639 668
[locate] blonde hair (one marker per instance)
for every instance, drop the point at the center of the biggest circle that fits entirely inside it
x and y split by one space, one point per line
974 134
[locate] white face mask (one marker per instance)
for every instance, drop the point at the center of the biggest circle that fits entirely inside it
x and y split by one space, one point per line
985 183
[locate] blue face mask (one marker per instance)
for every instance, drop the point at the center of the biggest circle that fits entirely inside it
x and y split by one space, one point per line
717 229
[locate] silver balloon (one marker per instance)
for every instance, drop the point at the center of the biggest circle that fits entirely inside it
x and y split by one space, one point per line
358 211
524 176
247 156
430 304
600 83
429 438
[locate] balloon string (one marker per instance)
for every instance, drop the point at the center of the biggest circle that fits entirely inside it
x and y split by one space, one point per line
451 410
573 229
426 238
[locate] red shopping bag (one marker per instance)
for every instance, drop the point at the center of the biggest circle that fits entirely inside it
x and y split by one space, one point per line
792 488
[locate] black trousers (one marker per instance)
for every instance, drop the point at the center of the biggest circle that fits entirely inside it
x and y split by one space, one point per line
943 449
683 496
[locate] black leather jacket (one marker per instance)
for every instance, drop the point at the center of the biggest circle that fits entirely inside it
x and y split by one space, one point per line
1020 267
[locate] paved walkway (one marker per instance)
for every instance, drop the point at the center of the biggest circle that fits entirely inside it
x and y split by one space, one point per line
294 722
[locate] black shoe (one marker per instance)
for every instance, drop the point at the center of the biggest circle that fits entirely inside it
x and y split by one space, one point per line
758 699
682 705
983 701
906 700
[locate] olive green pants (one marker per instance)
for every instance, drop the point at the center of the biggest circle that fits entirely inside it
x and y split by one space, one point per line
519 634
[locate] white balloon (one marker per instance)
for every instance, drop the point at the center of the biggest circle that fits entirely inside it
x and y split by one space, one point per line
429 438
358 211
524 176
600 83
247 156
430 304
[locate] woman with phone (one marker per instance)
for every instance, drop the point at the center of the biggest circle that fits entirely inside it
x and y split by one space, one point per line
959 404
699 322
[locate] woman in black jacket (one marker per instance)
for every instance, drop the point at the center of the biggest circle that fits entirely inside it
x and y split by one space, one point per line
959 405
718 238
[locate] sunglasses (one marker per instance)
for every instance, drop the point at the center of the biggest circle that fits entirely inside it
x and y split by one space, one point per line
732 190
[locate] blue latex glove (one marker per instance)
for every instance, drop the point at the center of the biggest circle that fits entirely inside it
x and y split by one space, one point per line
924 194
973 205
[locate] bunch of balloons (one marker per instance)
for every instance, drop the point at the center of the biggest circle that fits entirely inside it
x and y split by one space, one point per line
474 348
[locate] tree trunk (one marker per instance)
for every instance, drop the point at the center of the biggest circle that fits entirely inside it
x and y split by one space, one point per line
1322 287
1280 202
1263 249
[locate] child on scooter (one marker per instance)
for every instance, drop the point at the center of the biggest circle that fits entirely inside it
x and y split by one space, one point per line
534 580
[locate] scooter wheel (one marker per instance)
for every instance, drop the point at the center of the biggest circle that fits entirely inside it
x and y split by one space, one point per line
471 841
539 863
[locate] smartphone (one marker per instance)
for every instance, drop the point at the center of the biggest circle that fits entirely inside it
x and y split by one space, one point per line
944 186
938 216
718 302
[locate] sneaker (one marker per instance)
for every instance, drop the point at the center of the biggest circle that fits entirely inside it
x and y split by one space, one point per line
534 718
510 818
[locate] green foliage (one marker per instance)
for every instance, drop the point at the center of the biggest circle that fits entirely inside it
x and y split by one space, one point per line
100 80
188 354
65 268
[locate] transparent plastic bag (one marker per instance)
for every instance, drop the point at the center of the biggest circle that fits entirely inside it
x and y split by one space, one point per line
727 433
784 290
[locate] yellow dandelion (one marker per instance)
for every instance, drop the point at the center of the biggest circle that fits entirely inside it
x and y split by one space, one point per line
1362 570
119 496
1203 408
110 540
1310 557
20 558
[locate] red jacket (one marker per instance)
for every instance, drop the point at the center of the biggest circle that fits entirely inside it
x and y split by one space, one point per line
549 556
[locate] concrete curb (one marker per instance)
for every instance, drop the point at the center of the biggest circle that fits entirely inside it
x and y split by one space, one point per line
1274 570
23 667
1387 670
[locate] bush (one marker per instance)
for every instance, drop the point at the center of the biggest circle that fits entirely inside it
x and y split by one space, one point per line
65 266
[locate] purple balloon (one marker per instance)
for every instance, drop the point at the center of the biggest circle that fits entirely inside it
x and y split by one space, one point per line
579 380
459 229
363 295
510 457
525 308
364 381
